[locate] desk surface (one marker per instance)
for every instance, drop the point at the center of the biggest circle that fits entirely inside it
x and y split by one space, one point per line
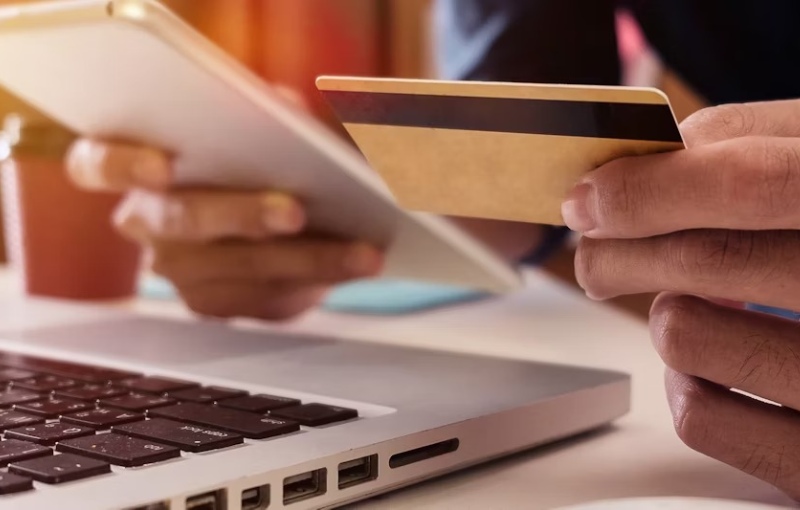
639 456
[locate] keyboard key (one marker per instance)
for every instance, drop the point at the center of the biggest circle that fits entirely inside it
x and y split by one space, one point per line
48 434
187 437
119 450
249 425
44 383
137 403
101 419
14 419
92 392
13 450
84 373
53 407
259 403
206 395
60 468
12 484
14 374
12 397
157 385
315 415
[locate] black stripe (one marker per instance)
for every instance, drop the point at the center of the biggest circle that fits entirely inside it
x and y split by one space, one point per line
628 121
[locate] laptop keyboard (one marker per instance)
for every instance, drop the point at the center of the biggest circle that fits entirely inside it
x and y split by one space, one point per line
63 422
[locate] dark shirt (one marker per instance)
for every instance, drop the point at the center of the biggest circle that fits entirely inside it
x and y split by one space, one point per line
727 50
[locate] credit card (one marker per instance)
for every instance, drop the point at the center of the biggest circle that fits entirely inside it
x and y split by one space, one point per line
505 151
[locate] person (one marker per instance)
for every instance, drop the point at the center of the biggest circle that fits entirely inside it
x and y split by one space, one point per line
718 221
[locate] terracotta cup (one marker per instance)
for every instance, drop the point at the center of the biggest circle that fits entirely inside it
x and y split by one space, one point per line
60 238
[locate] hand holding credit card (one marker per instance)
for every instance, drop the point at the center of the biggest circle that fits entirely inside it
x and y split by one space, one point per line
503 151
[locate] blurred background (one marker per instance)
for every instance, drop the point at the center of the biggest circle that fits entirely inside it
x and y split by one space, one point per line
291 42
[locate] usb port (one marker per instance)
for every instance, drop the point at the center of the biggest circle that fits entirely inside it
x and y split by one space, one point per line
153 506
308 485
208 501
358 471
256 498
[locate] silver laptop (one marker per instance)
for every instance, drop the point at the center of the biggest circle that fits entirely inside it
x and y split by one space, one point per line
108 411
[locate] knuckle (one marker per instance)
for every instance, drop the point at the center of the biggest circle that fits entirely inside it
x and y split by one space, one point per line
776 463
675 323
719 123
770 178
778 183
733 257
755 364
766 361
762 462
710 256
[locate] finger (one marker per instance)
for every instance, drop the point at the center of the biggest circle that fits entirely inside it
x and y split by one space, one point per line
98 165
748 183
757 438
255 300
752 352
208 215
299 259
724 122
753 267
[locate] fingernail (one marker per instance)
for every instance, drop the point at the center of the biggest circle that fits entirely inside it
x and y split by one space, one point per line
82 165
282 215
363 260
576 209
152 170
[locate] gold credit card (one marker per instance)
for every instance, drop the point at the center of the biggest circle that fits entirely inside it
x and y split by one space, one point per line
503 151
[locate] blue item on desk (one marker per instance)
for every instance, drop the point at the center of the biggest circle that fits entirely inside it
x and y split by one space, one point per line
372 297
395 297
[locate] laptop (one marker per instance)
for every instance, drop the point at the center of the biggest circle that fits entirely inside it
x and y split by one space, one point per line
105 410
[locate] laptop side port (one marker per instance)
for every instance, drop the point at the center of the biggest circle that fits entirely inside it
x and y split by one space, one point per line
208 501
256 498
358 471
152 506
305 486
424 453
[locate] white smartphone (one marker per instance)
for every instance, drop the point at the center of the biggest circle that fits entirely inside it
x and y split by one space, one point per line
132 70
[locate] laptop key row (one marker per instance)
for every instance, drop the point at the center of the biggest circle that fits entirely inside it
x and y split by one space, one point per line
74 371
48 434
125 451
64 422
250 425
185 436
101 418
52 407
61 468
